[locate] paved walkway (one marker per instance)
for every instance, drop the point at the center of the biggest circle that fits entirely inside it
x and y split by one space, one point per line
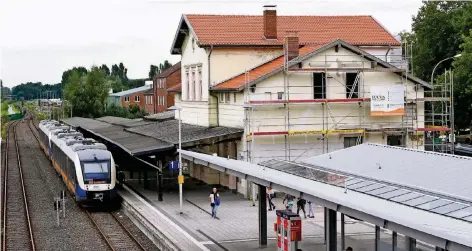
237 226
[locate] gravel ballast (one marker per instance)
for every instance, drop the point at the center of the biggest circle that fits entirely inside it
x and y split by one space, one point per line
76 231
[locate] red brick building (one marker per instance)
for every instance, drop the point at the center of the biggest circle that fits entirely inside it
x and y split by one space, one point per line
165 80
142 96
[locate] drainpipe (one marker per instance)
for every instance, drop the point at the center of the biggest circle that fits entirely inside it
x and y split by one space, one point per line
209 86
386 54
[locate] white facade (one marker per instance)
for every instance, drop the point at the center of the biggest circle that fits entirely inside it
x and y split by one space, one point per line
205 108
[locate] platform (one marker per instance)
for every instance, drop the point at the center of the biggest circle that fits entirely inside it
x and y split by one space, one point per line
237 226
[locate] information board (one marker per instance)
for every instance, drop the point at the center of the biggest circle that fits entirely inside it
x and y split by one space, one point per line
387 100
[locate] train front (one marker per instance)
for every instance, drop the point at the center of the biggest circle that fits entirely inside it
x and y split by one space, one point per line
96 176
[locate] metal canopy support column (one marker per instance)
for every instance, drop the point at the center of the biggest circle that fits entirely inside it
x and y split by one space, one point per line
343 240
394 241
411 244
325 215
159 181
377 238
262 216
331 238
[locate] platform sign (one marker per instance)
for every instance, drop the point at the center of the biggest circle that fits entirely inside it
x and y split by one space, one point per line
174 165
387 100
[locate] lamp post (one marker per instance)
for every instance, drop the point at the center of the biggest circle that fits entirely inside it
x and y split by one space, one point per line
432 93
180 179
432 74
249 110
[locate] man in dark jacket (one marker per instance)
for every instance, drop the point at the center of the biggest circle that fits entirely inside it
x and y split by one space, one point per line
301 205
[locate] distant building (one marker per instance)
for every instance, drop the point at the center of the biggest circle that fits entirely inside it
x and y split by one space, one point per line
169 78
142 96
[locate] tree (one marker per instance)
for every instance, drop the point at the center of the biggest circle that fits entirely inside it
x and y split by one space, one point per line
441 30
164 66
87 93
153 71
115 83
66 74
463 84
105 69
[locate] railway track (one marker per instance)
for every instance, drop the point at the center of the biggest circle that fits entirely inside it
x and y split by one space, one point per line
17 232
112 231
115 234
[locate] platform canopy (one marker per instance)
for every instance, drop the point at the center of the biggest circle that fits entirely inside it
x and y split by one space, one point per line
132 143
360 195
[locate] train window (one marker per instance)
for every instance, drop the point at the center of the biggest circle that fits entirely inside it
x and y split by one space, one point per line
96 170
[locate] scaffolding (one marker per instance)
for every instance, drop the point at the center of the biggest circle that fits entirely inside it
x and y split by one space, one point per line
295 111
440 115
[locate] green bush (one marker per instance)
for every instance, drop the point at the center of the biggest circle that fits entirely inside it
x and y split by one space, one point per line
131 113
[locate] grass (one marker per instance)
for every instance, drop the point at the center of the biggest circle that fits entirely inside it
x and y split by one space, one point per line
15 109
4 118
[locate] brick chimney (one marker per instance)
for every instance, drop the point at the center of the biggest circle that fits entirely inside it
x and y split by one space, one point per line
270 22
291 45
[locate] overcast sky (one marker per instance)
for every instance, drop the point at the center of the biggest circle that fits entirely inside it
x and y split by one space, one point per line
40 39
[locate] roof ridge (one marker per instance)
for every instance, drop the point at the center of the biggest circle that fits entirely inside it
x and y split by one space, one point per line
251 15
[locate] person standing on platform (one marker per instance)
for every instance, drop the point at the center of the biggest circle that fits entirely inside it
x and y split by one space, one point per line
214 202
289 198
270 196
301 205
311 214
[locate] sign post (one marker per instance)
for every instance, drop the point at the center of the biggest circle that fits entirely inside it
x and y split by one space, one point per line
57 207
63 197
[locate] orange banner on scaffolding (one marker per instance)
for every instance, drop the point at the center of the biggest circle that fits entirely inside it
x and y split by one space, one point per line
396 112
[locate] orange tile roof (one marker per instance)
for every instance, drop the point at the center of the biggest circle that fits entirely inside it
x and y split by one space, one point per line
175 88
260 71
248 30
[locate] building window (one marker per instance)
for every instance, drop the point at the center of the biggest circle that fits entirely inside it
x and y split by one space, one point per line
222 97
149 100
352 85
163 100
352 141
136 98
268 96
126 98
280 95
319 86
234 97
185 88
395 140
193 87
227 97
160 100
199 84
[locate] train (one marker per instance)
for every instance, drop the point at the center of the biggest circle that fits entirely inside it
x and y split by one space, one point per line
86 166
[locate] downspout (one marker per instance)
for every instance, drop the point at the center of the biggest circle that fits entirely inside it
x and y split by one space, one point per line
386 54
209 86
